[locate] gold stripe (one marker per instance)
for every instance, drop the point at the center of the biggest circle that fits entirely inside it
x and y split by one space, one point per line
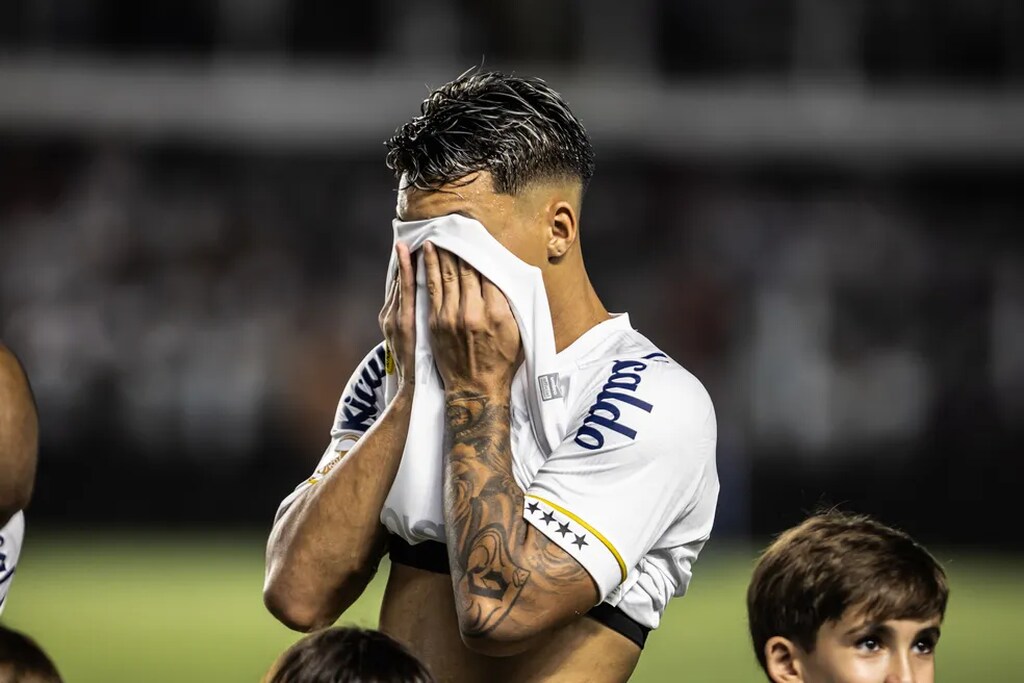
323 471
597 534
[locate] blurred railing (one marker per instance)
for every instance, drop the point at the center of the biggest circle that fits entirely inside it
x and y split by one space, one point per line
271 105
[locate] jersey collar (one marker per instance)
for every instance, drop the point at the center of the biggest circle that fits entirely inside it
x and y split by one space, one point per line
590 339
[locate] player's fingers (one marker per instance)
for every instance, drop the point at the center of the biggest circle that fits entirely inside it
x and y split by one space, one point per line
495 301
393 285
389 299
407 285
470 297
433 278
449 285
387 316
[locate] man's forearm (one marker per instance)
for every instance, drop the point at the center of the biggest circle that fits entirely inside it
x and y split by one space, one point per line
496 557
482 510
323 549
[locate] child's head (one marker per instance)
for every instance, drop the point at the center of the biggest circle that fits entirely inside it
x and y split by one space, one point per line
347 655
23 661
843 598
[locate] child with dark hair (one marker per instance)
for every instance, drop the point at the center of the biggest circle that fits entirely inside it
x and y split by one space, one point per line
842 598
23 661
347 655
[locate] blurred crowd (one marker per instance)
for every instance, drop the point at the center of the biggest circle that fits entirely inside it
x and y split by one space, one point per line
188 302
907 41
187 307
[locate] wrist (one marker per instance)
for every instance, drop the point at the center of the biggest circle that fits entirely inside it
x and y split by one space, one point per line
402 399
460 390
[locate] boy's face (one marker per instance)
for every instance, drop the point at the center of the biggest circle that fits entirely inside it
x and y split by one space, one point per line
858 650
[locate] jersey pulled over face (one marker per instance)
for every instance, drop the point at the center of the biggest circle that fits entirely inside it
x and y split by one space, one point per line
631 491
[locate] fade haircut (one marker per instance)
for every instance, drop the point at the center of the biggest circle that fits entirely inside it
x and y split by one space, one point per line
348 655
518 129
832 562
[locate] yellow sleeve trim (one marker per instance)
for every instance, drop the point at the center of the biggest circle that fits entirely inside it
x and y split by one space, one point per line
597 534
322 472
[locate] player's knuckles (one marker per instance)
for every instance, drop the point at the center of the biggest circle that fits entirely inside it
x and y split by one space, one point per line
449 270
441 323
500 315
474 321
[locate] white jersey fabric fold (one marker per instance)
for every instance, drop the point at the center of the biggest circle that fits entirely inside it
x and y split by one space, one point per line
417 491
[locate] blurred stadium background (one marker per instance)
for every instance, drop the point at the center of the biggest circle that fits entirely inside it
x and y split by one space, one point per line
815 205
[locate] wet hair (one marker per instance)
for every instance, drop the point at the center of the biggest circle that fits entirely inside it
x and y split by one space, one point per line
23 661
518 129
835 561
348 655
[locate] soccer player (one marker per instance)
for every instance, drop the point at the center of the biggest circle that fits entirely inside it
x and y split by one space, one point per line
559 562
347 655
845 599
19 439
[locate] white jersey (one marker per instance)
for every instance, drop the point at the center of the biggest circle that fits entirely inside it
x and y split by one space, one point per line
11 537
630 493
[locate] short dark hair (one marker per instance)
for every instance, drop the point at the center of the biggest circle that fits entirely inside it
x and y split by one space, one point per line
348 655
834 561
518 129
21 659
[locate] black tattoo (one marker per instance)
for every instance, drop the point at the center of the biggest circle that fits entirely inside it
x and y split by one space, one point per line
484 521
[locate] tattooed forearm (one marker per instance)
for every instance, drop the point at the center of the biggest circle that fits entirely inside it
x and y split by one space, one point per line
487 535
483 503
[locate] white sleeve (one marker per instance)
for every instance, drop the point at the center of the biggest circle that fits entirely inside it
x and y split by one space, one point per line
11 537
358 408
638 471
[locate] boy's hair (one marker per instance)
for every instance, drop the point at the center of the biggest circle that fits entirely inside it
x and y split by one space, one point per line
23 661
835 561
518 129
348 655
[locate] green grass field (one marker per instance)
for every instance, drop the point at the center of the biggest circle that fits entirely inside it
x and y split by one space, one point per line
168 608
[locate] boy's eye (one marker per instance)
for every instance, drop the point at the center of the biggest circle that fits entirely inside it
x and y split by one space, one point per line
925 646
869 643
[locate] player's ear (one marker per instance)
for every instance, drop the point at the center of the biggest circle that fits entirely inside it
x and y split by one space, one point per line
563 229
781 661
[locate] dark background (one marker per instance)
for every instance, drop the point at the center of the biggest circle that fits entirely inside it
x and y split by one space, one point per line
816 207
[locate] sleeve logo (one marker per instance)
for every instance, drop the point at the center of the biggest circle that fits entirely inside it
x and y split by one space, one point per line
360 407
607 412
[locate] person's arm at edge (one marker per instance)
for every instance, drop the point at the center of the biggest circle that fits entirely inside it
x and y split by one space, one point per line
512 584
19 437
325 547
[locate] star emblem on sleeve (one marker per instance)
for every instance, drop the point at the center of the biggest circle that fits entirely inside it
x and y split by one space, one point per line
563 529
580 541
533 507
548 517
